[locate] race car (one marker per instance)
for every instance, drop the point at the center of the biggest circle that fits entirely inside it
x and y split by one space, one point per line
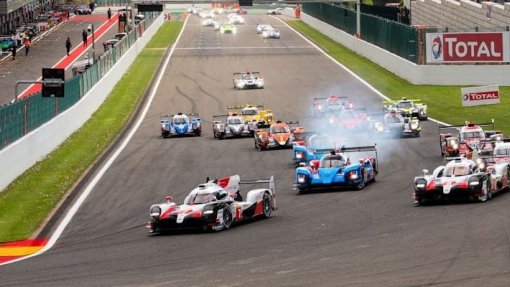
408 108
324 105
253 113
277 11
279 135
271 33
462 140
204 14
227 29
459 178
213 206
395 125
210 22
351 121
232 126
335 170
181 125
235 19
312 147
263 27
248 80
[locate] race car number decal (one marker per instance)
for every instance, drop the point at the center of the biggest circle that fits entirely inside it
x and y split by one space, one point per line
180 218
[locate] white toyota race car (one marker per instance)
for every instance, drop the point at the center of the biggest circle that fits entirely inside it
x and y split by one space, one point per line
213 206
248 80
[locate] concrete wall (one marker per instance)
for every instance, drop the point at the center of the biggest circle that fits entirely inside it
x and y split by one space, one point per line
463 15
415 74
24 153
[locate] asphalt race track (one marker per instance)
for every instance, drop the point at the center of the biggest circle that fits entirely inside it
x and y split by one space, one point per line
373 237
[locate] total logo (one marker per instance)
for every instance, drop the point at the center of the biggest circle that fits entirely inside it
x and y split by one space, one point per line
481 96
437 47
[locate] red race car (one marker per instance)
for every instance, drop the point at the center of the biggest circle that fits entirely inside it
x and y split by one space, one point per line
463 140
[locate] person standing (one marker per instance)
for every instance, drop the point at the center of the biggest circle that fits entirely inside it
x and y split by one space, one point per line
26 43
13 50
68 45
84 36
109 12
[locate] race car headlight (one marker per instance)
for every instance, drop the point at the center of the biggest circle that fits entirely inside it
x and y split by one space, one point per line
299 155
319 107
414 125
420 184
474 182
207 212
353 175
155 211
301 178
331 120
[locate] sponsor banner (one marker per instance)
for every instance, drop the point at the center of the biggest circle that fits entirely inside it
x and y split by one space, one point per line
468 47
476 96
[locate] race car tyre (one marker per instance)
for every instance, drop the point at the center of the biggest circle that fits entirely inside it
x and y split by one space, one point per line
488 192
360 185
227 218
266 206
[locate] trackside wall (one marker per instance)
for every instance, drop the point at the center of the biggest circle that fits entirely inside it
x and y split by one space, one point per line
33 147
413 73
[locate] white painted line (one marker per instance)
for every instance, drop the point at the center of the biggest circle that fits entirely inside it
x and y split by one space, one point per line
347 69
72 211
241 48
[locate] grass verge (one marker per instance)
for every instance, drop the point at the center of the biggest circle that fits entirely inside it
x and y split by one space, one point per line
28 200
444 102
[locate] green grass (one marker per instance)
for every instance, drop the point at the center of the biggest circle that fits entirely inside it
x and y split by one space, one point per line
444 102
28 200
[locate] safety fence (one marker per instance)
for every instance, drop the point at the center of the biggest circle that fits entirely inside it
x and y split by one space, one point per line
19 118
113 3
395 37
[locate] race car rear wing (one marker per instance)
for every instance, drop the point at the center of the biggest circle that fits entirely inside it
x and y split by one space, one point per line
325 98
171 115
491 124
239 74
371 148
269 180
241 106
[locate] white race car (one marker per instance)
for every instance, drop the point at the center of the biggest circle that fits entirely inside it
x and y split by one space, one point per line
210 22
271 33
263 27
248 80
236 19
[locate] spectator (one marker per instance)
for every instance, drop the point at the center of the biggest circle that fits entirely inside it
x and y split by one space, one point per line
84 36
109 12
68 45
13 50
26 43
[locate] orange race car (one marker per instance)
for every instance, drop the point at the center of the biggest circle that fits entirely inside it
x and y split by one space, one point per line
279 135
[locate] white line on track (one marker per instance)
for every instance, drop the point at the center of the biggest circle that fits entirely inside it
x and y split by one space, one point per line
347 69
70 214
240 48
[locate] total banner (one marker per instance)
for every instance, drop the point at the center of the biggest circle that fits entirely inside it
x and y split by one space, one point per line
468 47
476 96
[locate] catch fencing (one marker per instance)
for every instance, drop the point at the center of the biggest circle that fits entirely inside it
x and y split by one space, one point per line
392 36
20 118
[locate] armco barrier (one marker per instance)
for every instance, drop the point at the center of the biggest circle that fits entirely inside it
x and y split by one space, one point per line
415 74
22 154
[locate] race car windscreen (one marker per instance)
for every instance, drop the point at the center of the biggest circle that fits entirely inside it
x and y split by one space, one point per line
456 170
502 151
179 120
404 105
234 121
199 198
332 161
473 135
280 129
249 112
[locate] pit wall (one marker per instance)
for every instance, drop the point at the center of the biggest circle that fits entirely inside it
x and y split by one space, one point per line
33 147
463 15
463 75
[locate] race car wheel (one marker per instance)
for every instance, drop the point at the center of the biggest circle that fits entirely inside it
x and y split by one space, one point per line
227 218
266 206
488 192
360 185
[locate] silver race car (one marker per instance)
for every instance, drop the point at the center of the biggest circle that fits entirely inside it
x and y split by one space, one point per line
248 80
271 33
263 27
213 206
232 126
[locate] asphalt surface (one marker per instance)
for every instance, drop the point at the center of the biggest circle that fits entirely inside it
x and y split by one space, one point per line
47 50
372 237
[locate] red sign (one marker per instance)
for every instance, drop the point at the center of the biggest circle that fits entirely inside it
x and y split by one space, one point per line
467 47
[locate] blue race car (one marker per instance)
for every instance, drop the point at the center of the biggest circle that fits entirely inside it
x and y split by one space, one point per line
181 125
314 147
336 170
